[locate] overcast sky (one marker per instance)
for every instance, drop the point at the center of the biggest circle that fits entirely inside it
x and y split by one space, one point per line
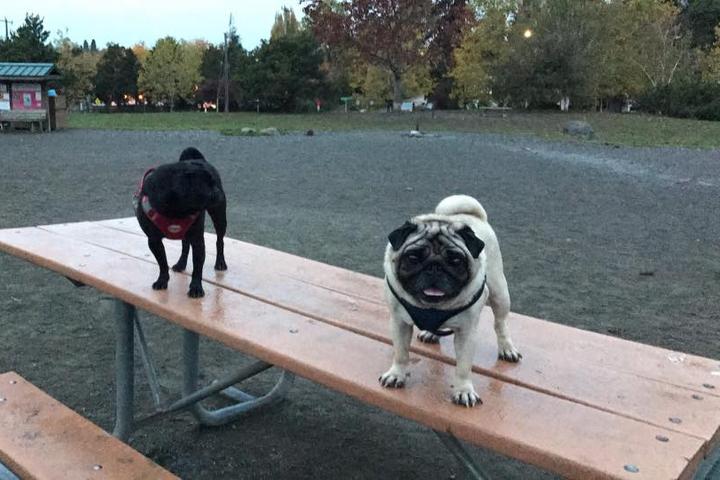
131 21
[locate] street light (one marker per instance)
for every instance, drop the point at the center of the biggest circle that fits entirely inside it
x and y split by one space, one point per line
528 33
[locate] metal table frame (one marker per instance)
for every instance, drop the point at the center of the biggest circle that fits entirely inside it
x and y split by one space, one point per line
129 330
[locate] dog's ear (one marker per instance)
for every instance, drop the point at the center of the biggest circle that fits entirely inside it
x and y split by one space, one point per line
191 153
398 236
473 243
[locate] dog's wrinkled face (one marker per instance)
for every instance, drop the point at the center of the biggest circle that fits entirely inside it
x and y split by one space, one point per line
435 259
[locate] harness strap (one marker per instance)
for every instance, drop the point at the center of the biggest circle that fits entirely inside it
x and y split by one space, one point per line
431 319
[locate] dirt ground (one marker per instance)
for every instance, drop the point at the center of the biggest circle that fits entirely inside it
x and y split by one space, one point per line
620 241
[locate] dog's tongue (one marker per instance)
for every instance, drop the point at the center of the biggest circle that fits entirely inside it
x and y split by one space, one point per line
434 292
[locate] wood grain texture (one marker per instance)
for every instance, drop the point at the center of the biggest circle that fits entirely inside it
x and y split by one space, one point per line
41 439
553 433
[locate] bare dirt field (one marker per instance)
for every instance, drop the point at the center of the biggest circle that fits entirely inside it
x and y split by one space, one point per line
618 240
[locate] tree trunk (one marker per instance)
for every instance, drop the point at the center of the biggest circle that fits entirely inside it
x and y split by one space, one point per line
397 91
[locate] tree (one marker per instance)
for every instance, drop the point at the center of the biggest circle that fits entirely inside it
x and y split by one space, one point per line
701 17
711 62
93 46
172 71
657 46
389 34
476 58
78 67
29 43
453 18
117 74
211 86
285 24
285 72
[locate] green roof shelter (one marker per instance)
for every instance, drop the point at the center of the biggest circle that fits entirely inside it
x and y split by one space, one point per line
24 98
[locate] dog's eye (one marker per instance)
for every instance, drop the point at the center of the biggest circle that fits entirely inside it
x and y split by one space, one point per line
414 257
455 259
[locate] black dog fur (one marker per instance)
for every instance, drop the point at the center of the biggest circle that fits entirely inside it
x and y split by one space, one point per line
177 190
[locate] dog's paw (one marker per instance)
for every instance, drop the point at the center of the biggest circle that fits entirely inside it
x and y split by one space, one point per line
160 284
393 378
427 337
466 396
220 264
179 267
508 352
196 291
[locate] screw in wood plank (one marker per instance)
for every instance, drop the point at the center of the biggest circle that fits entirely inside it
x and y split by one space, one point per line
294 330
632 468
13 382
708 386
662 438
697 397
675 420
2 399
97 467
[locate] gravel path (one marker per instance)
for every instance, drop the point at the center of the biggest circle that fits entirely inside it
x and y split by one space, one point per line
620 241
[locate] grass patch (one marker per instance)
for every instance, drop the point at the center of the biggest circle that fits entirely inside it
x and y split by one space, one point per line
616 129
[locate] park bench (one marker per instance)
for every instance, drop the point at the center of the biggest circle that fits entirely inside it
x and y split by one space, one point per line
41 439
580 404
14 118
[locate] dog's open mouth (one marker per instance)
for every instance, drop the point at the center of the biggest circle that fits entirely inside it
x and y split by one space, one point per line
433 294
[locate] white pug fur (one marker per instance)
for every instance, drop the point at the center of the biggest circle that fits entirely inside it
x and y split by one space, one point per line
444 228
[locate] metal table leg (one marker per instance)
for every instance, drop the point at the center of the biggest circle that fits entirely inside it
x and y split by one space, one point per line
124 369
245 402
462 456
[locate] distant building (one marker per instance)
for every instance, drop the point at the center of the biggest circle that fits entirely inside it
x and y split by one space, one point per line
27 96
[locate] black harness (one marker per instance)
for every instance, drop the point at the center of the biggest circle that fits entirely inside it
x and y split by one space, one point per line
431 319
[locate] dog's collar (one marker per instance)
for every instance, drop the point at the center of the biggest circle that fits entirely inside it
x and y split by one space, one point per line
172 228
431 319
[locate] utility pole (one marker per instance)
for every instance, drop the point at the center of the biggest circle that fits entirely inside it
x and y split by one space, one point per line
7 33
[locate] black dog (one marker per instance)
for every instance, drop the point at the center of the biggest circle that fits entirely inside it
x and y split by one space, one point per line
171 203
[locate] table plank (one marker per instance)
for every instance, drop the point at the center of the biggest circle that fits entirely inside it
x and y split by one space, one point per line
546 370
668 366
41 439
558 435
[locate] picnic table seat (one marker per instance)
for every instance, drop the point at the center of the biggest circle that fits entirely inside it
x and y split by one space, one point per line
580 404
41 439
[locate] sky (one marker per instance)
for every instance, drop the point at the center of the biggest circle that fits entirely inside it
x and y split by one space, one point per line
132 21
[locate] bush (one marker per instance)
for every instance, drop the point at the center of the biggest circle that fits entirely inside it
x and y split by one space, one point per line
687 99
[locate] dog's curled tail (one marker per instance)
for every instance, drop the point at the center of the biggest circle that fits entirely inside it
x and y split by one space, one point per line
191 153
457 204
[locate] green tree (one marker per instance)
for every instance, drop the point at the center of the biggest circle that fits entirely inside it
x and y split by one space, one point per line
285 73
78 68
171 71
711 62
701 17
29 43
211 87
285 24
477 57
117 74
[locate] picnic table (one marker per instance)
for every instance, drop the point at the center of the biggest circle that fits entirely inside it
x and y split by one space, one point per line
580 404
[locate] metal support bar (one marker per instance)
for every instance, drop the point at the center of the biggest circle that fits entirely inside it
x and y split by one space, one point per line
210 390
147 360
6 474
462 456
124 369
246 403
709 469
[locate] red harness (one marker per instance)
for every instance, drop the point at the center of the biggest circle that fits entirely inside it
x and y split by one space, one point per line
172 228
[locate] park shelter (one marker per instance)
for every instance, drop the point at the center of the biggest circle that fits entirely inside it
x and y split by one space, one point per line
27 95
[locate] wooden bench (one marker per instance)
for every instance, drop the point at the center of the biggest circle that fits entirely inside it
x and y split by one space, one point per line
20 117
580 404
42 439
